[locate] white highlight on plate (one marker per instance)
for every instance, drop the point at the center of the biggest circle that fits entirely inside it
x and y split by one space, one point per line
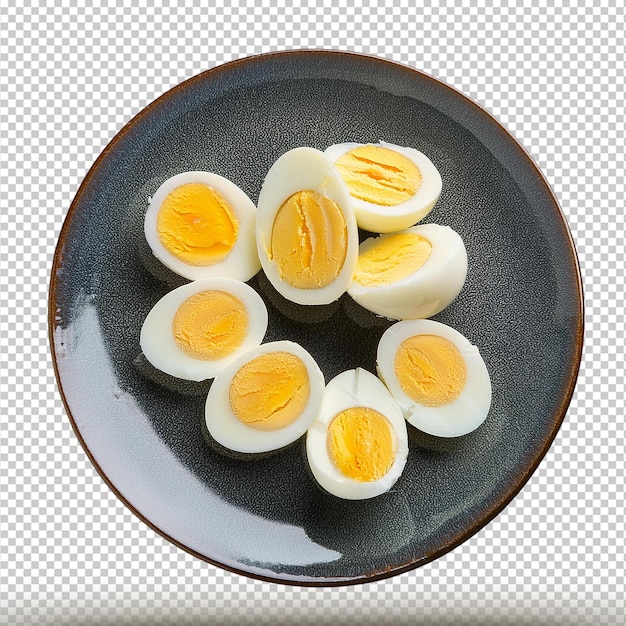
119 435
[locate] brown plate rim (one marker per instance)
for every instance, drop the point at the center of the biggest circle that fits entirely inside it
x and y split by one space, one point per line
566 395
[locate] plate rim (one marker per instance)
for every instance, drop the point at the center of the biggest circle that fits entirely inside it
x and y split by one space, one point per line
566 392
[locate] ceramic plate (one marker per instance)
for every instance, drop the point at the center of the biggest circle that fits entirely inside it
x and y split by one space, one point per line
521 305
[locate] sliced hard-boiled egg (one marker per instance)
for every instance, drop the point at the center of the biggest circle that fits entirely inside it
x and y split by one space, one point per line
265 399
437 376
201 225
392 187
307 237
194 331
411 274
358 445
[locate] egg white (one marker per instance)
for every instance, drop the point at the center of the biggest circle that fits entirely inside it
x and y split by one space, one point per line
461 416
386 219
241 263
297 170
428 290
224 426
157 340
354 388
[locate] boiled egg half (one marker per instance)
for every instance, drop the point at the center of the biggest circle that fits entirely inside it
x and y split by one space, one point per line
436 375
265 399
411 274
307 236
358 446
194 331
392 187
201 225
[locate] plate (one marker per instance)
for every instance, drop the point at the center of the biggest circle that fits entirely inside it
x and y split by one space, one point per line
267 518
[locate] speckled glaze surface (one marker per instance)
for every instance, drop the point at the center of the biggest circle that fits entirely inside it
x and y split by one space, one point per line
267 518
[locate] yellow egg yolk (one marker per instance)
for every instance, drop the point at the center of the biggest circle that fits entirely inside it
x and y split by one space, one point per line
210 325
309 240
271 391
379 175
392 258
197 225
430 370
361 444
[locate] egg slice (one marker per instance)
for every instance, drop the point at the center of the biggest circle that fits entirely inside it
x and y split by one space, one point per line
194 331
411 274
437 376
265 399
392 187
358 445
201 225
307 237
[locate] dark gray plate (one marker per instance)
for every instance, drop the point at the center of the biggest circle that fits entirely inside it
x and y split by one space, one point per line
522 305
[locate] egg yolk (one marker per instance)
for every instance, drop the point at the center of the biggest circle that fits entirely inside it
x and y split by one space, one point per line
197 225
391 259
309 240
379 175
210 325
271 391
430 370
361 444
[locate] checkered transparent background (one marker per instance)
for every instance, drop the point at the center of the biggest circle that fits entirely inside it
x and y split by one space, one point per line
72 76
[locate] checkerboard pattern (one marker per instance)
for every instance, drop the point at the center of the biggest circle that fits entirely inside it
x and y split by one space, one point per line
70 77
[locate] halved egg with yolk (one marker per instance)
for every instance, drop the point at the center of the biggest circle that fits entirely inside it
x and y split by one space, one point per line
307 237
411 274
392 187
201 225
266 399
358 446
195 330
436 375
